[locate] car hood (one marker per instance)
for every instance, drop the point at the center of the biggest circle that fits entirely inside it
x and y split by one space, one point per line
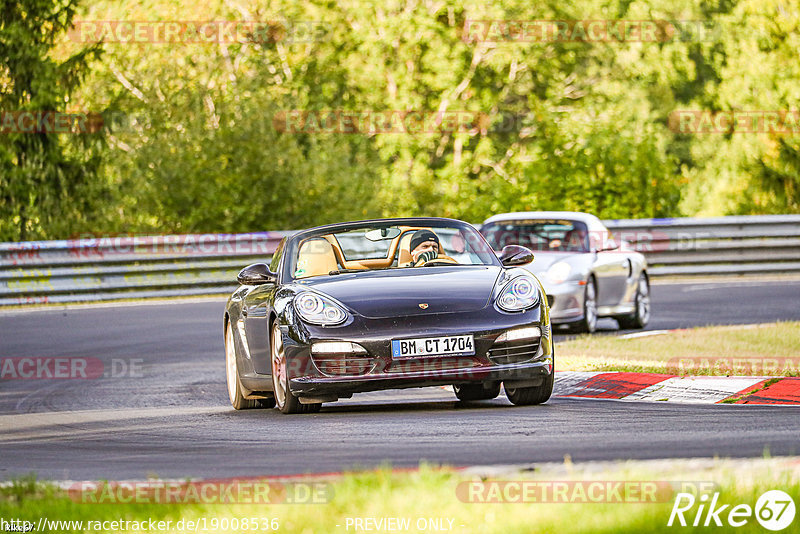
401 292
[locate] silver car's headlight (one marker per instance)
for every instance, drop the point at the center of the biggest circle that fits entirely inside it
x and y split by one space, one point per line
319 309
519 294
559 272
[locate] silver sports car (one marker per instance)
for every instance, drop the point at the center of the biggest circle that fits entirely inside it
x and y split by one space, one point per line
585 272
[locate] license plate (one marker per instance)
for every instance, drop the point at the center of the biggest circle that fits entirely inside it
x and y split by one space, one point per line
433 346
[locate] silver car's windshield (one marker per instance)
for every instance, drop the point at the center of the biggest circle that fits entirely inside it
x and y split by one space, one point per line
539 234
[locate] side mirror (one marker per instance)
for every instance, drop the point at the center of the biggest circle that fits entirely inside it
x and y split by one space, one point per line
605 243
512 255
256 274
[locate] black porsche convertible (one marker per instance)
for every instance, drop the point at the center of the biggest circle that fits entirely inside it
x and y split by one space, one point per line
383 304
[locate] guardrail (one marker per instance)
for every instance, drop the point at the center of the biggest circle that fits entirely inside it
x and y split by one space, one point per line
719 246
105 268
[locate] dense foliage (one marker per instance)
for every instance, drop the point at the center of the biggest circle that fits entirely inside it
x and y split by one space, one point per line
197 142
46 186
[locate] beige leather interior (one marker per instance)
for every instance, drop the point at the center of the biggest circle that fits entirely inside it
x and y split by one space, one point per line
316 257
405 249
378 263
321 255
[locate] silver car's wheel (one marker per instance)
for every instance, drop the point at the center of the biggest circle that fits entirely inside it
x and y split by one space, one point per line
643 301
589 321
285 401
641 316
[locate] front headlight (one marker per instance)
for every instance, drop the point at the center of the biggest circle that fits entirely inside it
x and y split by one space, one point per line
559 272
519 294
318 309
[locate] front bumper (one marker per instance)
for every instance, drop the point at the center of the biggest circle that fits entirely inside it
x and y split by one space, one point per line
493 360
566 300
322 386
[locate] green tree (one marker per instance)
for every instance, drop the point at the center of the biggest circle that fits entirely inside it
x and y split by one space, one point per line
46 183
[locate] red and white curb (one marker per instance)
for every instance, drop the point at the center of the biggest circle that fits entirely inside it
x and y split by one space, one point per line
682 389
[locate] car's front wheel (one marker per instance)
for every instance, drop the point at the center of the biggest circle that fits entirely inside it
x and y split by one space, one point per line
641 315
533 395
589 322
476 392
235 389
285 400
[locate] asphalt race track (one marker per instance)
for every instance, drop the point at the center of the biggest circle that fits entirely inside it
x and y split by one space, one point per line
172 419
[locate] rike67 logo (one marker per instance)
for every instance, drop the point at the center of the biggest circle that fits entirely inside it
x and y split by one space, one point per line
774 510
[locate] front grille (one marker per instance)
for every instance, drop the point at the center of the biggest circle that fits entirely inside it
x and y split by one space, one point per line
343 364
518 351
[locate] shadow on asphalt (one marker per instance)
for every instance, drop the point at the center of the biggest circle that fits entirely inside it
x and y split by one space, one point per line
371 408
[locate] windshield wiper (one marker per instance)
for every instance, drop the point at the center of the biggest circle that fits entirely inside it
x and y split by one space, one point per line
341 271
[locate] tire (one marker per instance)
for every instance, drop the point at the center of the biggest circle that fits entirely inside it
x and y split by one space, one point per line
639 318
285 401
589 322
476 392
532 395
235 389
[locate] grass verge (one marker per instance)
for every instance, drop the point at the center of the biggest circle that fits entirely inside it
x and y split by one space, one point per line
440 499
771 349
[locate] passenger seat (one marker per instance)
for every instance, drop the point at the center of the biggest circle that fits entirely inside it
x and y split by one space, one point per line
315 258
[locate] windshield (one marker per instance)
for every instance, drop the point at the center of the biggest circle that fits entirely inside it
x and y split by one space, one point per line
539 235
363 247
